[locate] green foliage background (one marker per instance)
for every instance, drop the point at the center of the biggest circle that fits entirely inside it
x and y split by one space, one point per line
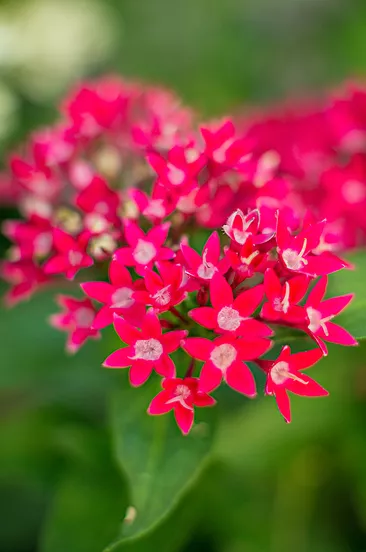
71 461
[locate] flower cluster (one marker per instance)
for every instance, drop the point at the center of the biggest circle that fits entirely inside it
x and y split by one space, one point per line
125 181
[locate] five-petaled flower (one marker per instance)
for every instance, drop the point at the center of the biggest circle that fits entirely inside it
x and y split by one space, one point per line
165 290
146 350
283 298
320 313
286 374
224 360
70 257
209 264
180 395
229 315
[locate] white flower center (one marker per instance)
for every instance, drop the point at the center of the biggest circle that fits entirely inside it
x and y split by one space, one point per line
43 243
84 317
206 270
163 296
148 349
191 155
223 356
175 175
354 192
122 298
219 155
282 305
316 320
102 208
144 252
155 208
75 258
280 372
294 260
229 319
181 393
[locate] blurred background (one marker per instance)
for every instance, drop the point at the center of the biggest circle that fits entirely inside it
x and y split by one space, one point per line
273 487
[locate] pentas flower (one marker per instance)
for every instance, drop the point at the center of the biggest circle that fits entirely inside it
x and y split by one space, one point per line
25 277
155 207
70 257
181 396
320 313
286 374
144 249
229 315
76 319
36 179
295 252
248 260
118 297
204 267
100 199
33 238
240 227
283 298
224 148
224 360
146 350
165 290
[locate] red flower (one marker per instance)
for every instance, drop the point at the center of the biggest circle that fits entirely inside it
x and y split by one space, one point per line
296 251
118 297
232 316
144 249
146 350
98 198
180 395
77 319
71 255
320 313
25 277
164 291
224 360
209 264
284 298
283 375
240 227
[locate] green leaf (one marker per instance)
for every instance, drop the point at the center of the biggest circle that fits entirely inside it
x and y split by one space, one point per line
89 503
160 463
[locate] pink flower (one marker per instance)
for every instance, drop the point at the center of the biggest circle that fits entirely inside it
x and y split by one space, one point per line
209 264
240 227
77 319
224 360
35 178
25 277
295 252
71 256
118 297
223 148
248 260
100 199
146 350
164 291
320 313
156 207
144 249
284 375
33 238
284 298
229 315
180 395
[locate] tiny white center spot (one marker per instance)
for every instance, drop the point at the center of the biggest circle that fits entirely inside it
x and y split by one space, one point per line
75 258
354 192
163 296
122 298
144 252
229 319
280 372
148 349
223 356
292 259
84 317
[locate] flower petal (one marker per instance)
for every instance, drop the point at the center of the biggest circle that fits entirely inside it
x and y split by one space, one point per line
198 347
248 301
150 325
100 291
119 359
103 318
172 340
125 331
220 291
283 403
337 334
140 372
210 378
184 418
240 378
205 316
158 404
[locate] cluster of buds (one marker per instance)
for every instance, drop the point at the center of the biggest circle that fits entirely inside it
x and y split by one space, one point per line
125 181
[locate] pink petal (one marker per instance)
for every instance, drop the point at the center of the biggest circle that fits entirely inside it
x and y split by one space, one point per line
240 378
283 236
184 418
63 241
165 367
140 372
212 246
248 301
306 359
205 316
220 291
308 389
125 331
119 359
210 378
159 234
318 291
103 318
172 340
283 403
202 400
198 347
158 404
151 326
252 327
298 288
153 282
252 348
124 256
56 265
326 263
165 254
119 275
191 256
335 305
272 284
133 233
100 291
337 334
